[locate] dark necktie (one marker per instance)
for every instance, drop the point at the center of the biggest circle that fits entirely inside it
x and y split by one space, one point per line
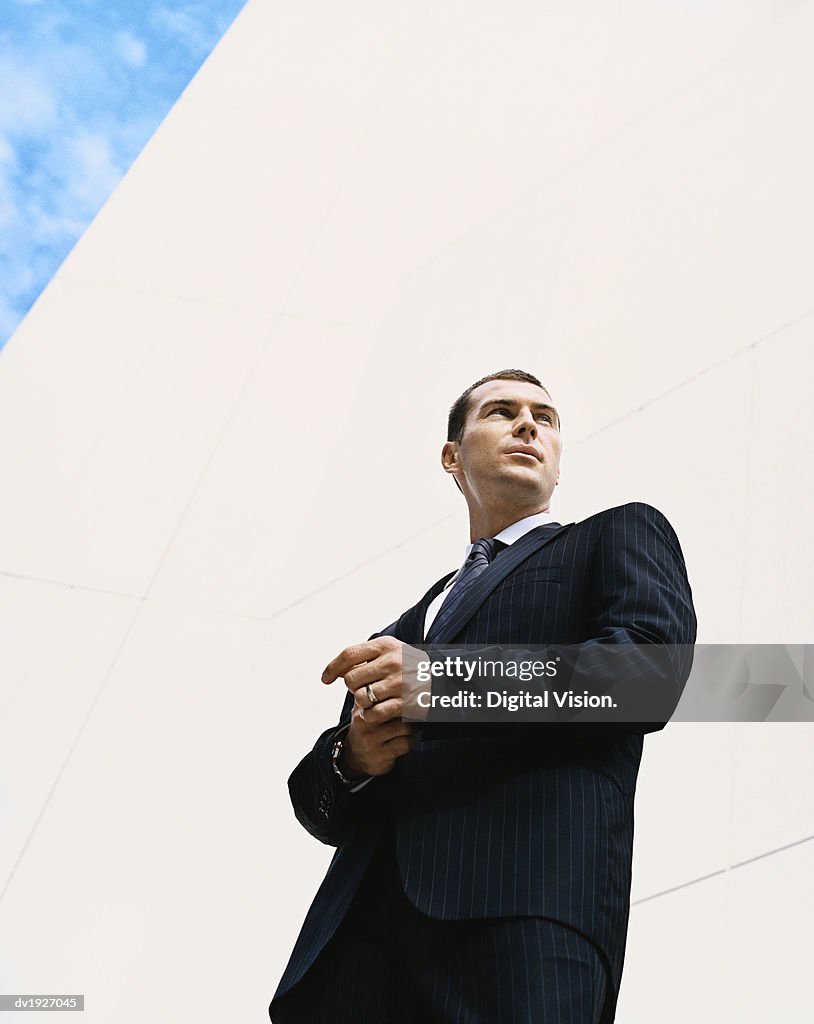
478 559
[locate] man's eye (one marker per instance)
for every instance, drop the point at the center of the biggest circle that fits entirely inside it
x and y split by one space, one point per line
502 412
545 416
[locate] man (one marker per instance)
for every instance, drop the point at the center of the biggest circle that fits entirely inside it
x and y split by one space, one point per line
483 872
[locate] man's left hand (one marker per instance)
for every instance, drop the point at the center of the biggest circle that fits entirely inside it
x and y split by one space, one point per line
380 664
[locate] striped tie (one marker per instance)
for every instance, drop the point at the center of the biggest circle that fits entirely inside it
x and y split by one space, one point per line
478 559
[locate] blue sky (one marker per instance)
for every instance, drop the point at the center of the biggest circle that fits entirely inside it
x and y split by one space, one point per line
83 85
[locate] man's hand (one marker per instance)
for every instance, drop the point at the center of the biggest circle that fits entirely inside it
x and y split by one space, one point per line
377 736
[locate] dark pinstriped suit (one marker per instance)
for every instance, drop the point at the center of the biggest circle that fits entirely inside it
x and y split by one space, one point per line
502 822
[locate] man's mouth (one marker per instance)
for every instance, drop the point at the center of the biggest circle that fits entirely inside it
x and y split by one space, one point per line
524 449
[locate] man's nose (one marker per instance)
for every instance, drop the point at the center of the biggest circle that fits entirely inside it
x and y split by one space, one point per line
526 425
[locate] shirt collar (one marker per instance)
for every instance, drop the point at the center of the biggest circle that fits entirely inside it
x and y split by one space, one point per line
519 529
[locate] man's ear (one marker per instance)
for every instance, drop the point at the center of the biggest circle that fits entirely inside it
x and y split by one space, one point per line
450 459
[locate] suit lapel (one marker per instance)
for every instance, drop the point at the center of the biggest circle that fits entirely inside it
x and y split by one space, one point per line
506 563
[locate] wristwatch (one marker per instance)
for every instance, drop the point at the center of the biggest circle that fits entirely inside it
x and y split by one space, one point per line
336 753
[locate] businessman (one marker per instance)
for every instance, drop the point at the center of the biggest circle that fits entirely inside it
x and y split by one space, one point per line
482 872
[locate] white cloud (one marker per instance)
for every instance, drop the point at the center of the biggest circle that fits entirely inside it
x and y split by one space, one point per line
55 228
183 23
94 173
131 49
27 101
8 210
7 154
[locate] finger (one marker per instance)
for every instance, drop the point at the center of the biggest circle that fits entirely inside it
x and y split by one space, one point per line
358 714
379 671
356 654
384 711
390 717
370 694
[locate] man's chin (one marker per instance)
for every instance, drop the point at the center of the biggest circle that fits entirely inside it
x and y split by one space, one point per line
528 484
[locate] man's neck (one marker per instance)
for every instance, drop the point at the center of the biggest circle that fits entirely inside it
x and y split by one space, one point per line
490 525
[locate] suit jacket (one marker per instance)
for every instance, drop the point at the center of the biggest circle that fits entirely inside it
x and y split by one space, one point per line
535 819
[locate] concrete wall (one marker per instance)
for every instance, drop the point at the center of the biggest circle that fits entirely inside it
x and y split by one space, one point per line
221 427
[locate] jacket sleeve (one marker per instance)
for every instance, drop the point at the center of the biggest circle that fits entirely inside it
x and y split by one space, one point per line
640 595
322 804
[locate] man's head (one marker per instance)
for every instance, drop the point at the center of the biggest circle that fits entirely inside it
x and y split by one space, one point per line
503 446
460 407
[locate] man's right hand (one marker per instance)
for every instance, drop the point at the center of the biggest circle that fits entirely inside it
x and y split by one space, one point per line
377 738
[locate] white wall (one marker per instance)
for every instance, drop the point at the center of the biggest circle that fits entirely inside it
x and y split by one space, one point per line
222 422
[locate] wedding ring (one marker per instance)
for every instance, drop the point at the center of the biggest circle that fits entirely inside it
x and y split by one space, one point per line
371 696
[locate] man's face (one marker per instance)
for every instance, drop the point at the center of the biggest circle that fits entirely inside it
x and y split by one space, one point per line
510 449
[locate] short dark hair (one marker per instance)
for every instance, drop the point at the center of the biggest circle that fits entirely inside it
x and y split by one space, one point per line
460 408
